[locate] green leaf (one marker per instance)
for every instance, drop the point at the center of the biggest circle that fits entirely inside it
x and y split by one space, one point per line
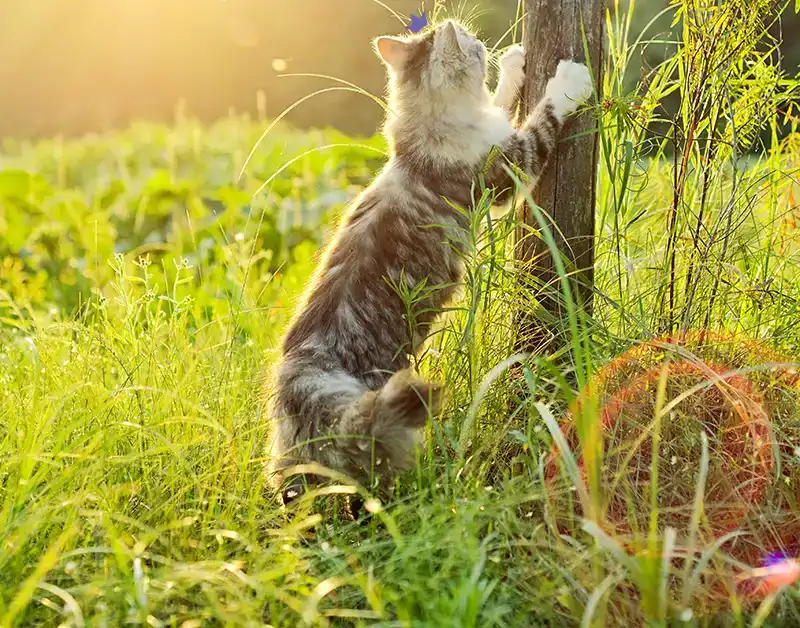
16 227
23 185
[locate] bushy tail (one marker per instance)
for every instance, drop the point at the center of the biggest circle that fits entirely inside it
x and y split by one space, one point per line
387 421
333 419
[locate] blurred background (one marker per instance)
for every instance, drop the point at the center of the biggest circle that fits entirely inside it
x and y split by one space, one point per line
74 66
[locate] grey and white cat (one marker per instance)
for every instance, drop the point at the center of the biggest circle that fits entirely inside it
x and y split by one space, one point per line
343 394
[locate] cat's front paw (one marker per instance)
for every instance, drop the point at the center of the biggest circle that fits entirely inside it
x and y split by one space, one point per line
512 66
571 85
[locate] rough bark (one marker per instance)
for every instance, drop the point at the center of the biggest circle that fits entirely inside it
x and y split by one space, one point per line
566 191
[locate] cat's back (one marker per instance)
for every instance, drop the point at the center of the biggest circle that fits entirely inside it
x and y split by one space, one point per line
391 235
399 212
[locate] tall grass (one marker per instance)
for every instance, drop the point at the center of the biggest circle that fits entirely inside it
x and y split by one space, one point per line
632 480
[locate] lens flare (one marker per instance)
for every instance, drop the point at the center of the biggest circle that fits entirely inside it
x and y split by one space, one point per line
777 573
727 386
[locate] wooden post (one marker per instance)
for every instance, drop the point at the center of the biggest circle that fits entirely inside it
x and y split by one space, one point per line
566 191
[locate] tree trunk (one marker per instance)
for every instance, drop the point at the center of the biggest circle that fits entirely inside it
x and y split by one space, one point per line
566 190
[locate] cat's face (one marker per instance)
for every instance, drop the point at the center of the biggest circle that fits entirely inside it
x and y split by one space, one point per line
446 60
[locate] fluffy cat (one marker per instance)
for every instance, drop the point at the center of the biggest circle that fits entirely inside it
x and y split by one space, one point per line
344 395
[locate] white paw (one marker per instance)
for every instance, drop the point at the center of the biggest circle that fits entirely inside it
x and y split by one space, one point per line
513 57
571 85
512 66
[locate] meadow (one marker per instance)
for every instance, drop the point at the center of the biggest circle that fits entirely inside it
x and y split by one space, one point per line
641 474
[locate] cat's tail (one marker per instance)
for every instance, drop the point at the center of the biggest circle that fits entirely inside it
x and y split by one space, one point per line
388 421
333 419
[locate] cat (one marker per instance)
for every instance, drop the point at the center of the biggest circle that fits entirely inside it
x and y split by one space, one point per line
344 394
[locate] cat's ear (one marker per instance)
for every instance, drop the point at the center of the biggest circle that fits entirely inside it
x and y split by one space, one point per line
392 50
450 40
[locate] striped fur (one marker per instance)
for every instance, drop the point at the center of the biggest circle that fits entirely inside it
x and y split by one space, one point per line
344 394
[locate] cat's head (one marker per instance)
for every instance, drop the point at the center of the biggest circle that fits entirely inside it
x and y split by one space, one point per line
446 61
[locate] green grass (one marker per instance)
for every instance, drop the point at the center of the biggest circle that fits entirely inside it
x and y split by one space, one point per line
143 290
